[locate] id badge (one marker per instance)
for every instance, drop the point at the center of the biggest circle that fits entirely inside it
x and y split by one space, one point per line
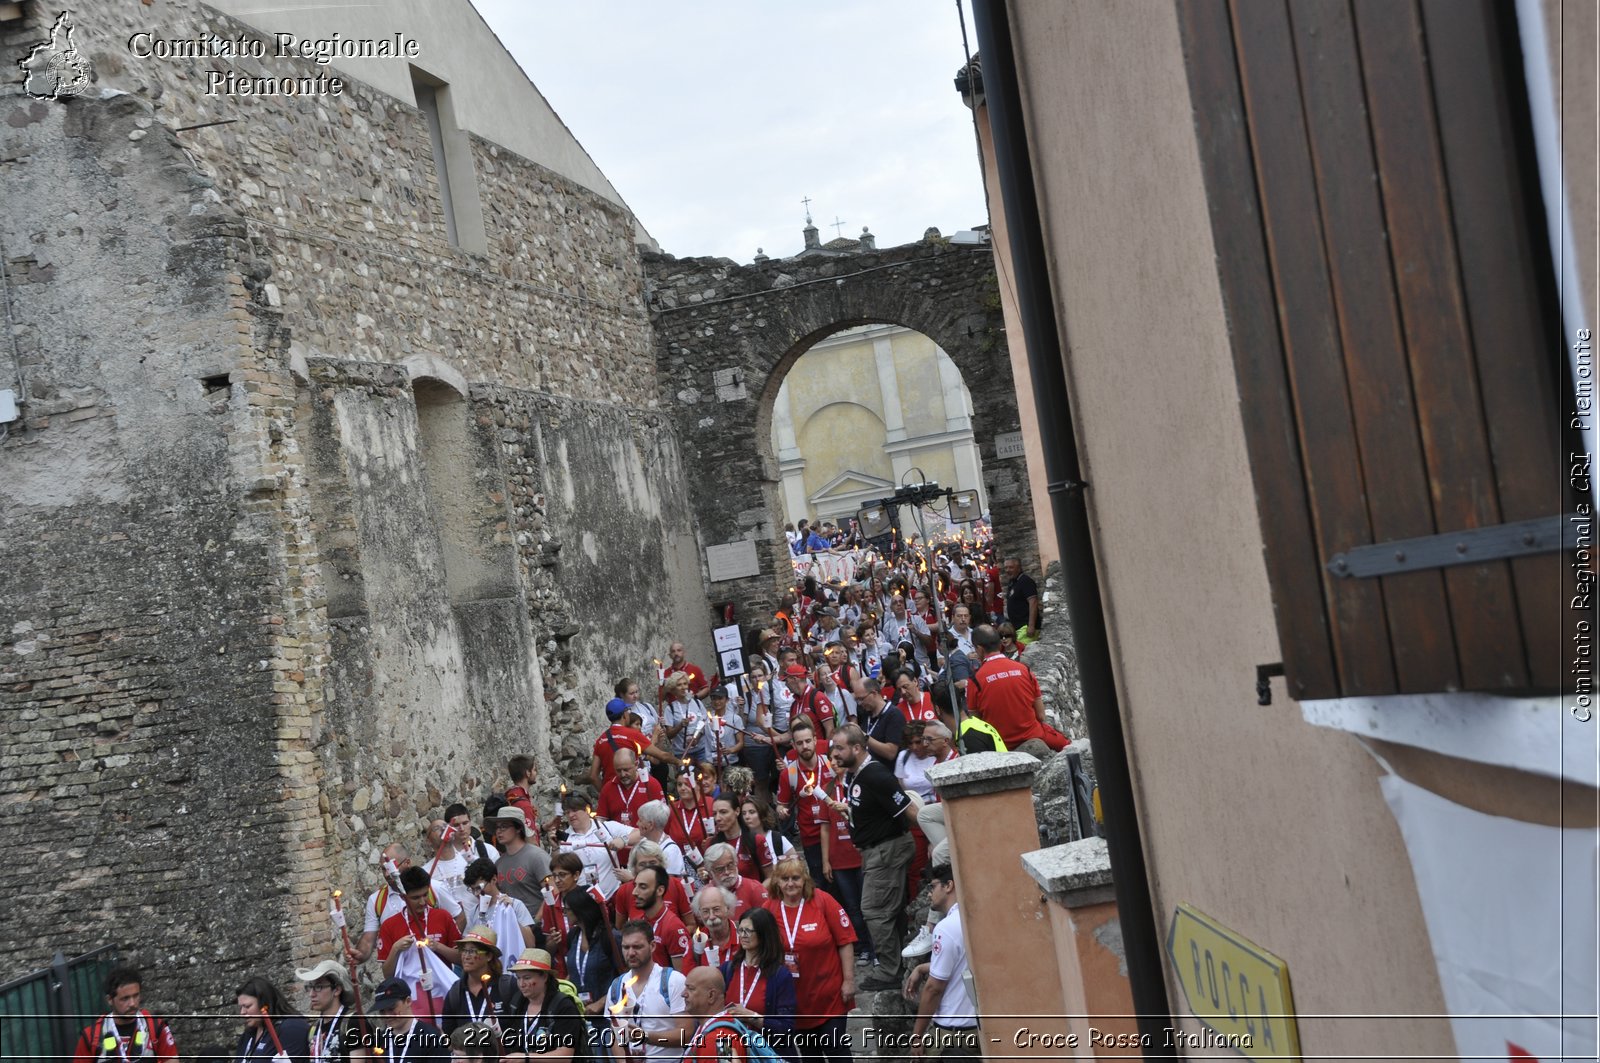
711 825
791 961
626 817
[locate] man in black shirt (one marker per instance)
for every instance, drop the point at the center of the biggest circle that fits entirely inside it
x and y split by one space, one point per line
879 811
1022 598
883 725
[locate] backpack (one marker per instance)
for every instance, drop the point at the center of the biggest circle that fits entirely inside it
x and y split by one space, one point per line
756 1045
614 994
570 988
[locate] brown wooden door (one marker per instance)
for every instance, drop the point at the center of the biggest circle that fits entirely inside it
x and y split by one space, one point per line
1399 362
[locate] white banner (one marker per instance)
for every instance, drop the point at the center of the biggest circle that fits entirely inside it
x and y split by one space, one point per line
829 567
1511 910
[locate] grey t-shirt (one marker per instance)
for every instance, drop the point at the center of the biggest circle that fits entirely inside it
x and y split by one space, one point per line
521 875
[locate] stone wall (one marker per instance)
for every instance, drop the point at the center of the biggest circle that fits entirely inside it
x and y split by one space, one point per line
606 544
727 334
161 660
342 192
307 526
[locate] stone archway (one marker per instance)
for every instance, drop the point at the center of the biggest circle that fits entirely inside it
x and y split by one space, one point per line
726 335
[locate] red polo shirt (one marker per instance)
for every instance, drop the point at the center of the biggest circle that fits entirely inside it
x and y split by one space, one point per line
1003 692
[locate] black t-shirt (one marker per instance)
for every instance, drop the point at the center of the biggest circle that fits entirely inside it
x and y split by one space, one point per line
556 1025
1022 588
458 1010
335 1039
888 726
293 1033
877 805
423 1042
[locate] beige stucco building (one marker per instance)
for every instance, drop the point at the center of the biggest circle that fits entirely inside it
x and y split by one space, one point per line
1199 178
862 410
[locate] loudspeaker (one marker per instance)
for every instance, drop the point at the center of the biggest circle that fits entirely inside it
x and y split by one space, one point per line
874 520
964 507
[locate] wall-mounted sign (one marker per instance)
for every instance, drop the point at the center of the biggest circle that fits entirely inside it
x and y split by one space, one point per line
1008 445
1238 989
733 560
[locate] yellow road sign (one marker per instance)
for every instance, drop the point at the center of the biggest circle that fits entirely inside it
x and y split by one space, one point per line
1239 990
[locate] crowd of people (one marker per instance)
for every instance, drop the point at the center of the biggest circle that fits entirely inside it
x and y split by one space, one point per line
736 865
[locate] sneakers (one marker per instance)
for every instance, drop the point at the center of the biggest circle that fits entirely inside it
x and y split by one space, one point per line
920 946
863 960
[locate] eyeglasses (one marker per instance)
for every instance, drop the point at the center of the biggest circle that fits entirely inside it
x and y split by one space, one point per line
743 930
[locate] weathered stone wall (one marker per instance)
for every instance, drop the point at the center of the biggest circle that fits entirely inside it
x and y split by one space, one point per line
727 334
343 191
160 667
606 543
306 526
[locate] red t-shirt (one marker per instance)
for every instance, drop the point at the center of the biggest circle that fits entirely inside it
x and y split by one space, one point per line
618 736
925 710
747 867
160 1038
722 1043
842 852
687 826
810 811
622 804
815 706
811 936
1003 692
697 681
671 939
750 894
747 987
435 925
624 909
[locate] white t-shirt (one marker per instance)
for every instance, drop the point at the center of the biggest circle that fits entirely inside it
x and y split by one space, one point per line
649 1010
672 856
488 912
372 918
948 964
912 771
451 873
599 869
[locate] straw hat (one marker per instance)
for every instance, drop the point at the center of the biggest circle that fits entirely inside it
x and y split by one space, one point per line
533 960
480 935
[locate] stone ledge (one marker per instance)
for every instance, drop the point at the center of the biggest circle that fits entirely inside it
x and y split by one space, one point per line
983 773
1076 874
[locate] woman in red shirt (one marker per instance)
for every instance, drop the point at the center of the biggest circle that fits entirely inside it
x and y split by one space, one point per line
687 824
819 949
755 859
761 991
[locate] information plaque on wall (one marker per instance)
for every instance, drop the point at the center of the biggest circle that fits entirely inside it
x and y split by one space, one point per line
734 560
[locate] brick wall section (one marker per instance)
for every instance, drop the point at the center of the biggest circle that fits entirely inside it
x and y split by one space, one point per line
342 193
714 315
161 638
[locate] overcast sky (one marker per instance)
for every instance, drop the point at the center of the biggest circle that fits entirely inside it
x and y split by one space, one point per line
714 117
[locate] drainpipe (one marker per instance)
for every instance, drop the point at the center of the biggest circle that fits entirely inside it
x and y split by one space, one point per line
1036 309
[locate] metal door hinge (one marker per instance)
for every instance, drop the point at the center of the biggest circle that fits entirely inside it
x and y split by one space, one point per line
1470 546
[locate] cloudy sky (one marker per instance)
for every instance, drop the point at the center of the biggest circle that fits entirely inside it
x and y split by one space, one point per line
714 117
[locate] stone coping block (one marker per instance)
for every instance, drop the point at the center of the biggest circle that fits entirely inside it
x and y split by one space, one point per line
983 773
1075 874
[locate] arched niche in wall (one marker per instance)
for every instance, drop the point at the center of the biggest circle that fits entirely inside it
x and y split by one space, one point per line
460 474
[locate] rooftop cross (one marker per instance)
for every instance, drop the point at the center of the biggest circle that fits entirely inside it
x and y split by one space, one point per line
807 201
838 226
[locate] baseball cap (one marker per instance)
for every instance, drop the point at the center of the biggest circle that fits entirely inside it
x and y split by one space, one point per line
615 708
795 671
391 991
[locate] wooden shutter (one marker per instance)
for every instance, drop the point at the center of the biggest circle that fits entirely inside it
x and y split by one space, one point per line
1399 362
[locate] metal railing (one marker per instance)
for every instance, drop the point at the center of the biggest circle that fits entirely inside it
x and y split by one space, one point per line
42 1013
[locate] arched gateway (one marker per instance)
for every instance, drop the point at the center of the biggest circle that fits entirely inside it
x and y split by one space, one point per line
727 334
